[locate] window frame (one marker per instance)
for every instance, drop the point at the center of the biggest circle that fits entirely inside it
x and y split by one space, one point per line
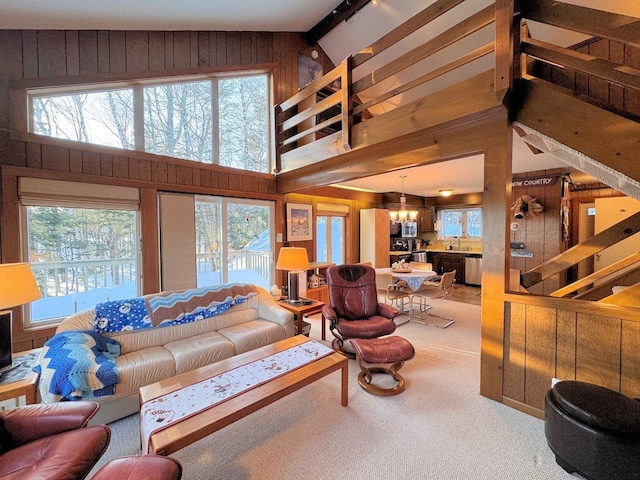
27 323
464 212
137 84
330 210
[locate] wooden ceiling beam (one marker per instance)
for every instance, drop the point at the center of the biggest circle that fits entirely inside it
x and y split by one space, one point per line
343 12
610 139
585 20
455 139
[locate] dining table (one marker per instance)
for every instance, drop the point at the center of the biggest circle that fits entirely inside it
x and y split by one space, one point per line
414 279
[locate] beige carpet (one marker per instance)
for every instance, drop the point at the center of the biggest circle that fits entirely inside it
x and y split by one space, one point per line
439 428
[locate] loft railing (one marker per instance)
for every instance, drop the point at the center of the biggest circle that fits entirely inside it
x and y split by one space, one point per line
315 124
567 61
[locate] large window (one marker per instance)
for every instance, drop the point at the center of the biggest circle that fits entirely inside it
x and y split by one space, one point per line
223 120
233 241
463 222
80 255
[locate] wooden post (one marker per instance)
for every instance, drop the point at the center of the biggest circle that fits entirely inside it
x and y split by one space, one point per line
495 267
506 36
345 91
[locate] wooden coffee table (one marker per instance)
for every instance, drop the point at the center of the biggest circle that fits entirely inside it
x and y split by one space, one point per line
188 431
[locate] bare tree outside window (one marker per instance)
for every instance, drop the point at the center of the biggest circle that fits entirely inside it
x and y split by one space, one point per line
103 118
178 119
244 127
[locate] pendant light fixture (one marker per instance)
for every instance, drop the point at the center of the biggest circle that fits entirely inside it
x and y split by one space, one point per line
403 215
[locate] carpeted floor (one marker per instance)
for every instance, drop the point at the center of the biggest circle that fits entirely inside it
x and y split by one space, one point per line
439 428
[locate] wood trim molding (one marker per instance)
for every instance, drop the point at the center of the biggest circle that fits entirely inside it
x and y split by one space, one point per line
587 307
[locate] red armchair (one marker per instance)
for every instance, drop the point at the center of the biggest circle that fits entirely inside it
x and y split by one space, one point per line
353 310
50 441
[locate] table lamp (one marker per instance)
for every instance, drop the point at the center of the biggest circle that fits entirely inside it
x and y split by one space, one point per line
295 260
17 287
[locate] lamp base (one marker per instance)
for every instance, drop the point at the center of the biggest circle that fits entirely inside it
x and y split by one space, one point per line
6 360
293 286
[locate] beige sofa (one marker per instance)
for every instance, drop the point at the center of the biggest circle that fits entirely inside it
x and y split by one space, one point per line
150 355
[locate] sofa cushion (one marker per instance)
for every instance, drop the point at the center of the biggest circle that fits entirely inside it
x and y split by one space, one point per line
253 334
199 350
143 367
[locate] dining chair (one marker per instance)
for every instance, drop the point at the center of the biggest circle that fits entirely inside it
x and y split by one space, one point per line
424 294
394 291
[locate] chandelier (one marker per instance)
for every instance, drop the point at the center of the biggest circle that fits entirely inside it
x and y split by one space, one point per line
403 215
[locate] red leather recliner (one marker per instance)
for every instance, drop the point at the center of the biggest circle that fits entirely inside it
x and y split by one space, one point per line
50 441
353 310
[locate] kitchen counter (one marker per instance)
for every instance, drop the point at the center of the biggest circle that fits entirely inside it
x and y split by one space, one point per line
435 250
442 250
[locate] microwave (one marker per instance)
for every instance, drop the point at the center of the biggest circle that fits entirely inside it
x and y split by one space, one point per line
409 230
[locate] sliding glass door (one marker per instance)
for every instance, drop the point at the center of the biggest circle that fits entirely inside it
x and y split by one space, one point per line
233 241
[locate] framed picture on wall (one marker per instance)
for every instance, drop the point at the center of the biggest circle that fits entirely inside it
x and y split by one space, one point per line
299 222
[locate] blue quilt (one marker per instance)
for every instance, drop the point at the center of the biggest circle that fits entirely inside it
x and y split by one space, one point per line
79 364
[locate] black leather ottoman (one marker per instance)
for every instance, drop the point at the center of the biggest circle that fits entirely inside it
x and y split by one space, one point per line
593 431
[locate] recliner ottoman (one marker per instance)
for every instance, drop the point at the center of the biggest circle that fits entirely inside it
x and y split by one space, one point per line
593 431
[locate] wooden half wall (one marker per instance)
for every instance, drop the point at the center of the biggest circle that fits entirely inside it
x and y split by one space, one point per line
570 340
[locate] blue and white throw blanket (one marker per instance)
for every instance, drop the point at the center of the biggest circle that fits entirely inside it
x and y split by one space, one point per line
169 308
79 365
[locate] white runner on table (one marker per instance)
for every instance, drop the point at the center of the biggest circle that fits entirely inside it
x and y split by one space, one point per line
163 411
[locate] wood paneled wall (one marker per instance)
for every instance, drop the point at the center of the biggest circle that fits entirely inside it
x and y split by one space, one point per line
48 57
328 195
541 234
574 342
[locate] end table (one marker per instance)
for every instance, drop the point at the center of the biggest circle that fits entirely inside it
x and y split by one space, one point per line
299 310
21 381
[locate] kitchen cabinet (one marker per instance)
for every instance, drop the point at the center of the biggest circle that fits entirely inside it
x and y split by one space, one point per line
425 219
445 262
434 259
374 237
453 261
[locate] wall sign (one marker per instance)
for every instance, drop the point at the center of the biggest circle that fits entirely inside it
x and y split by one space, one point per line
534 182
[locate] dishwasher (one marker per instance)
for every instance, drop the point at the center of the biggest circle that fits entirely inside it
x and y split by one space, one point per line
472 268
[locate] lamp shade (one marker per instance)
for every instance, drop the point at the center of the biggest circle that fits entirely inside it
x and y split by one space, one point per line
293 258
17 285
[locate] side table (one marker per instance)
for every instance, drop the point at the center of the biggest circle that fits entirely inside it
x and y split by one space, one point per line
299 310
21 381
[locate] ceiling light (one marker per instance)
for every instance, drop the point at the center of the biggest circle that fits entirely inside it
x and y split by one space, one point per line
446 192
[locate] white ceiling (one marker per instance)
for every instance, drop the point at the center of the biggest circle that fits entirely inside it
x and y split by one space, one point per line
369 24
229 15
